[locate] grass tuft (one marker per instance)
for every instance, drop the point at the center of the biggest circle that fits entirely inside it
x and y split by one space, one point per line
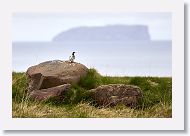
92 80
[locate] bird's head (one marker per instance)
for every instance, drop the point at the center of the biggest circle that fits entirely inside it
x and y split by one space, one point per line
73 53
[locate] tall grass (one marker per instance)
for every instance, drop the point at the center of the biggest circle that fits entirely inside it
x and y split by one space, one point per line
19 86
156 101
155 90
92 80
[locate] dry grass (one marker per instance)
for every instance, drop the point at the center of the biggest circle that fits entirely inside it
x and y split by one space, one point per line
156 102
85 110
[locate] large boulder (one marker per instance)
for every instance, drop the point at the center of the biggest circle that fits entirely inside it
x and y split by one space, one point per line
113 94
54 73
57 92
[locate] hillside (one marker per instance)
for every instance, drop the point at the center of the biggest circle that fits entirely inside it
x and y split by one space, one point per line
156 102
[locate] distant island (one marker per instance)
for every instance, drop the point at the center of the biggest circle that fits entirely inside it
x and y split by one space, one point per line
105 33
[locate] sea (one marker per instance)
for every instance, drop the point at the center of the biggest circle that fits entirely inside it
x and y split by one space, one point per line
113 58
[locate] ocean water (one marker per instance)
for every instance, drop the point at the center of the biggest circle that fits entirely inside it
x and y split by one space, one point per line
148 58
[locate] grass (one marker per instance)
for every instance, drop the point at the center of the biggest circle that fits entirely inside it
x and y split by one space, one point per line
156 101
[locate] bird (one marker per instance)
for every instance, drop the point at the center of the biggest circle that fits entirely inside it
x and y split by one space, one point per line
72 57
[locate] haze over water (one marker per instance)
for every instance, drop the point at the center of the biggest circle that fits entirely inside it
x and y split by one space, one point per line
33 44
109 58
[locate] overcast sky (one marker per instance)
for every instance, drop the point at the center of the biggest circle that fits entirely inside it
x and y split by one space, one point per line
43 27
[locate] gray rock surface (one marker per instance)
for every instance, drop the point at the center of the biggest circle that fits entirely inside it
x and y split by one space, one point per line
54 73
113 94
57 92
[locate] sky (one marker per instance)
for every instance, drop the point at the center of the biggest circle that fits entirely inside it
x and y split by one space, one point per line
32 33
44 26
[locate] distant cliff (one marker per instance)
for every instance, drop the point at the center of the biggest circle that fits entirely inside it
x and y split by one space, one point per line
105 33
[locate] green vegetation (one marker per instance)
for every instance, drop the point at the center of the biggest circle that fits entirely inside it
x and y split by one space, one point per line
156 101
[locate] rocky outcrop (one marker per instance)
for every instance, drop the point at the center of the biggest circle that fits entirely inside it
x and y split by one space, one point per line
113 94
54 73
57 92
